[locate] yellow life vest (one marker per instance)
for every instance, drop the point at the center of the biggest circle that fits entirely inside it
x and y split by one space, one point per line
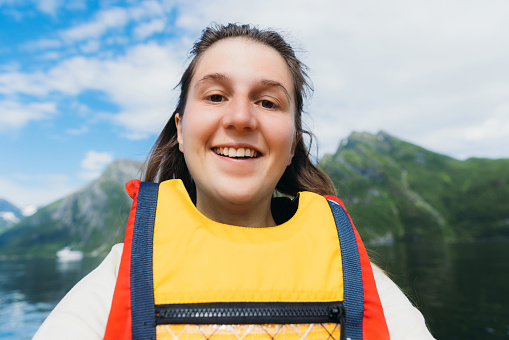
184 276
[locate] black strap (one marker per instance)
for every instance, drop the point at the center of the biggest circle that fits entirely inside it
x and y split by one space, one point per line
353 297
142 281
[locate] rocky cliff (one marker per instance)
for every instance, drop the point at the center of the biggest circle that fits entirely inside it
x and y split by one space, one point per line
91 220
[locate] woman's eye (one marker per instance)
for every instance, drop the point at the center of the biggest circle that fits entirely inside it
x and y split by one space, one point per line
267 104
216 98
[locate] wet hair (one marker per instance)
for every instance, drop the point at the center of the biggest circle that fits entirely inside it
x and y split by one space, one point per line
167 162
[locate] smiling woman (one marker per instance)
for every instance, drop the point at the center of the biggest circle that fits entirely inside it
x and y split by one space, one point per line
210 251
238 101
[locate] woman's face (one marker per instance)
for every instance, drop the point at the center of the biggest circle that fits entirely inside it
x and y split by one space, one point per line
237 132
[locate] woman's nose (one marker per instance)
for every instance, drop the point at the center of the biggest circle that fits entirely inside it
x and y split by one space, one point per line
240 115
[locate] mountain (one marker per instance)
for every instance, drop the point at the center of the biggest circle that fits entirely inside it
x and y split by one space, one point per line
91 220
9 214
395 190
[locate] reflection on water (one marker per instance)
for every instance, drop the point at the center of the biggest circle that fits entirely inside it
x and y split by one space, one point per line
461 288
30 288
68 267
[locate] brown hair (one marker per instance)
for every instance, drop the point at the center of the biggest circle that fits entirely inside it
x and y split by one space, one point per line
167 162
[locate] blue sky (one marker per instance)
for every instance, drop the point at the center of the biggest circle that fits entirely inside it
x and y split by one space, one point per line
83 83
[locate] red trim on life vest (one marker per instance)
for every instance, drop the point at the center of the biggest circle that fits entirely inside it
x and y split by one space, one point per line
132 187
119 320
374 325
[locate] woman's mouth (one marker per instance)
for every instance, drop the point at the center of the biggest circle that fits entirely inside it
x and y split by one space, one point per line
236 153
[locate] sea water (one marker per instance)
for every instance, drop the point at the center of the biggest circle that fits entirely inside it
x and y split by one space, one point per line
31 288
461 288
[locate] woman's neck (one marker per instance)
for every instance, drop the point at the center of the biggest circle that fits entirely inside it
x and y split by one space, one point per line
254 215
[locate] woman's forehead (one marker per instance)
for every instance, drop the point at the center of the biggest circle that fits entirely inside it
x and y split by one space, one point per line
243 59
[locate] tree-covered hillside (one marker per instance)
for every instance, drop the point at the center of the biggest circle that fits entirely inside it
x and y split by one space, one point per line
396 190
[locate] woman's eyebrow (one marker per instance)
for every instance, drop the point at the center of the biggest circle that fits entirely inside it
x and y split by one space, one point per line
213 76
273 83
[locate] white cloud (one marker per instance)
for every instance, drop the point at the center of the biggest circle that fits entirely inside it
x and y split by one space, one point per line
14 115
147 29
50 56
416 69
76 4
96 160
42 44
146 9
117 18
15 82
90 46
140 83
494 127
27 190
93 163
45 6
49 6
111 18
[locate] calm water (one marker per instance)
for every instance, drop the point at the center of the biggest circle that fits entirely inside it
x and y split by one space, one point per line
462 289
29 289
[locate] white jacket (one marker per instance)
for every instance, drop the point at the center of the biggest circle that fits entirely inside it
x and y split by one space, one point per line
83 312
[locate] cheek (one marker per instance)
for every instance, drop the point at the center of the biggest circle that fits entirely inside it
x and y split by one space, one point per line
196 128
283 137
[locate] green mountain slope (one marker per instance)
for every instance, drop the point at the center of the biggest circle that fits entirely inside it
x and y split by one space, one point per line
91 220
395 190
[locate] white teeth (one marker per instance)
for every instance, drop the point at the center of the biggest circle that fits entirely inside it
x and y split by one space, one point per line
240 152
233 153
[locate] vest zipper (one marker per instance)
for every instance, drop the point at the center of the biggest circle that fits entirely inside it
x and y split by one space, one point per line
251 313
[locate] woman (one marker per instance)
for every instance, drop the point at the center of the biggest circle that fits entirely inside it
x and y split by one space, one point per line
234 140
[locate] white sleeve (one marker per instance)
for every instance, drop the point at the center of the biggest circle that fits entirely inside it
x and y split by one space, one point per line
403 319
83 312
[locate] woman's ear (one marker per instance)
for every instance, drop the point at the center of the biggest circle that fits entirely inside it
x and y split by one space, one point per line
178 124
